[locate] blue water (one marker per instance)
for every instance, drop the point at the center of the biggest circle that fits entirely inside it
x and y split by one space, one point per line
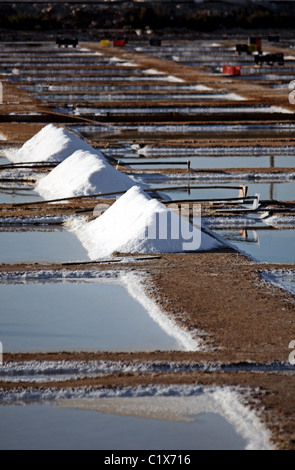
42 427
13 196
214 162
17 191
270 246
85 316
280 191
25 246
3 160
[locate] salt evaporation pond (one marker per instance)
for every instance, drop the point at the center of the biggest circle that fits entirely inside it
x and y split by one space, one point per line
74 316
55 245
134 97
159 130
176 109
55 61
101 88
65 69
215 162
150 418
90 77
18 194
267 246
37 427
182 151
3 160
274 190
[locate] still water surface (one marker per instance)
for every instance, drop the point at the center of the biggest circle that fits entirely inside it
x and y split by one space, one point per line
49 427
96 316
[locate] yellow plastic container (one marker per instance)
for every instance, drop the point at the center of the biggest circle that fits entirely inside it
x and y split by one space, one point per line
104 43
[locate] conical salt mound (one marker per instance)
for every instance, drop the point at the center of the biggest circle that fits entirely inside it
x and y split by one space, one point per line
51 144
83 173
136 223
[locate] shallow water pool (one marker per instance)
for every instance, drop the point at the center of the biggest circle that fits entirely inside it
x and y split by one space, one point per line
49 427
200 130
13 195
75 316
267 246
55 245
135 97
109 88
14 191
274 190
215 162
82 76
3 160
176 109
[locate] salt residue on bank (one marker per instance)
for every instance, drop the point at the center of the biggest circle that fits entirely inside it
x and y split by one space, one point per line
183 402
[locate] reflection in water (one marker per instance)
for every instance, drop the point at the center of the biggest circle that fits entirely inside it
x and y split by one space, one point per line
272 190
270 246
96 316
12 196
215 163
250 236
243 235
55 245
47 427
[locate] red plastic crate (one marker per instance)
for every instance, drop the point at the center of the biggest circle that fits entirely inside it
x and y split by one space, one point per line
119 42
231 70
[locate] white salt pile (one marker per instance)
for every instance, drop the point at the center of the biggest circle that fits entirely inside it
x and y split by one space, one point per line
51 144
83 173
136 223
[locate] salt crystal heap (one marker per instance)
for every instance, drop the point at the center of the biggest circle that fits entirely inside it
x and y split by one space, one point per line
82 170
51 144
128 226
81 174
